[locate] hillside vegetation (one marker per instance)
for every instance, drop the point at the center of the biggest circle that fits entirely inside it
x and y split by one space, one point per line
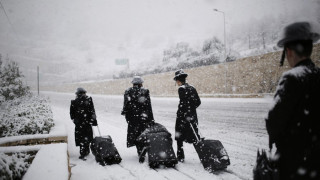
250 75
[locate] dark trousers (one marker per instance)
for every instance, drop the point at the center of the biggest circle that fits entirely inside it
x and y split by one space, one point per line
139 148
84 149
180 152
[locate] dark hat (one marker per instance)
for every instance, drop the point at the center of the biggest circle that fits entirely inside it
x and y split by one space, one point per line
80 90
180 74
137 80
298 31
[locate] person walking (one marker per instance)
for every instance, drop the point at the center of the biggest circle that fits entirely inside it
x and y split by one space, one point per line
137 111
293 121
186 114
83 115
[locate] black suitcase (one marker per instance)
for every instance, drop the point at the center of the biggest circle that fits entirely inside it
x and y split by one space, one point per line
105 151
158 144
160 150
212 154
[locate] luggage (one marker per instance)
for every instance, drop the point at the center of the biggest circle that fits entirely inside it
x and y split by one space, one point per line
160 150
158 144
212 154
104 150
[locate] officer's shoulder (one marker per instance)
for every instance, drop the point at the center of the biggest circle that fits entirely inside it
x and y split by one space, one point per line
191 86
89 98
182 88
129 89
186 86
144 89
295 73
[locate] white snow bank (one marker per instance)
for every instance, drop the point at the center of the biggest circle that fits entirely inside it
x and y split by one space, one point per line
15 149
58 132
26 115
51 162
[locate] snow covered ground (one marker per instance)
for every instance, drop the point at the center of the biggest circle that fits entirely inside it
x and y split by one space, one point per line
237 122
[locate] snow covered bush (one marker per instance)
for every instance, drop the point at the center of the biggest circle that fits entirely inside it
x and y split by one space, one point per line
25 115
15 165
11 84
20 112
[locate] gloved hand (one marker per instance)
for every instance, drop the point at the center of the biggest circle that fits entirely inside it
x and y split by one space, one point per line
94 123
75 121
123 113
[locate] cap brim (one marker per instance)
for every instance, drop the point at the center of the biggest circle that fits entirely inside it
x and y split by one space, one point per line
315 37
281 43
180 76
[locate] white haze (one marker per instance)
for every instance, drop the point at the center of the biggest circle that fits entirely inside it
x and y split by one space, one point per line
80 39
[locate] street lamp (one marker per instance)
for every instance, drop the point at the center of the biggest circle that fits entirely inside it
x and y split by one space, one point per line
225 48
224 30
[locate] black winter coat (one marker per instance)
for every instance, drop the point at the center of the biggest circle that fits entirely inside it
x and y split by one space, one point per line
138 112
83 115
293 123
186 114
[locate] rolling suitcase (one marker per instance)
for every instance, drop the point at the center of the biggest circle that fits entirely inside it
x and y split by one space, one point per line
158 144
104 150
160 150
212 154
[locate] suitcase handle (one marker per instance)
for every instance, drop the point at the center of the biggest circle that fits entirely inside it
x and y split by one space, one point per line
194 132
98 131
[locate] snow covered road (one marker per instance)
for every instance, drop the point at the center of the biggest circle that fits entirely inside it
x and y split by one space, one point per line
238 123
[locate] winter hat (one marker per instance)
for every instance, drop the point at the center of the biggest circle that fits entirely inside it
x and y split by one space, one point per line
81 90
298 31
137 80
180 74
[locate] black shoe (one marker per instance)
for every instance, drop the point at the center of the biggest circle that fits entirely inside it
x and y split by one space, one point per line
82 157
141 159
181 160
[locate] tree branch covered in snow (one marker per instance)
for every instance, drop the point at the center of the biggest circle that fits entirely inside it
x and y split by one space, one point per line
27 115
15 165
11 85
182 56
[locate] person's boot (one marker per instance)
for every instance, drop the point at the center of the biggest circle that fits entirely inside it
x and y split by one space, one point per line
82 157
142 155
141 159
84 151
180 155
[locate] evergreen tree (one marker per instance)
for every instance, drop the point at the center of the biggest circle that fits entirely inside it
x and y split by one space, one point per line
11 84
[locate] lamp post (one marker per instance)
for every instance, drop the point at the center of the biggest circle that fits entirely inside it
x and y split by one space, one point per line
224 32
225 48
38 79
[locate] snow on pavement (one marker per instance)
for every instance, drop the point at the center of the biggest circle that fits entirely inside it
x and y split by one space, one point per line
237 122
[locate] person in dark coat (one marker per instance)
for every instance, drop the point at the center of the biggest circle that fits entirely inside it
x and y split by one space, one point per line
83 115
137 111
293 122
186 114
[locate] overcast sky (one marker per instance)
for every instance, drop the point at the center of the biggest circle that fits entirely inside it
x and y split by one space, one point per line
96 32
